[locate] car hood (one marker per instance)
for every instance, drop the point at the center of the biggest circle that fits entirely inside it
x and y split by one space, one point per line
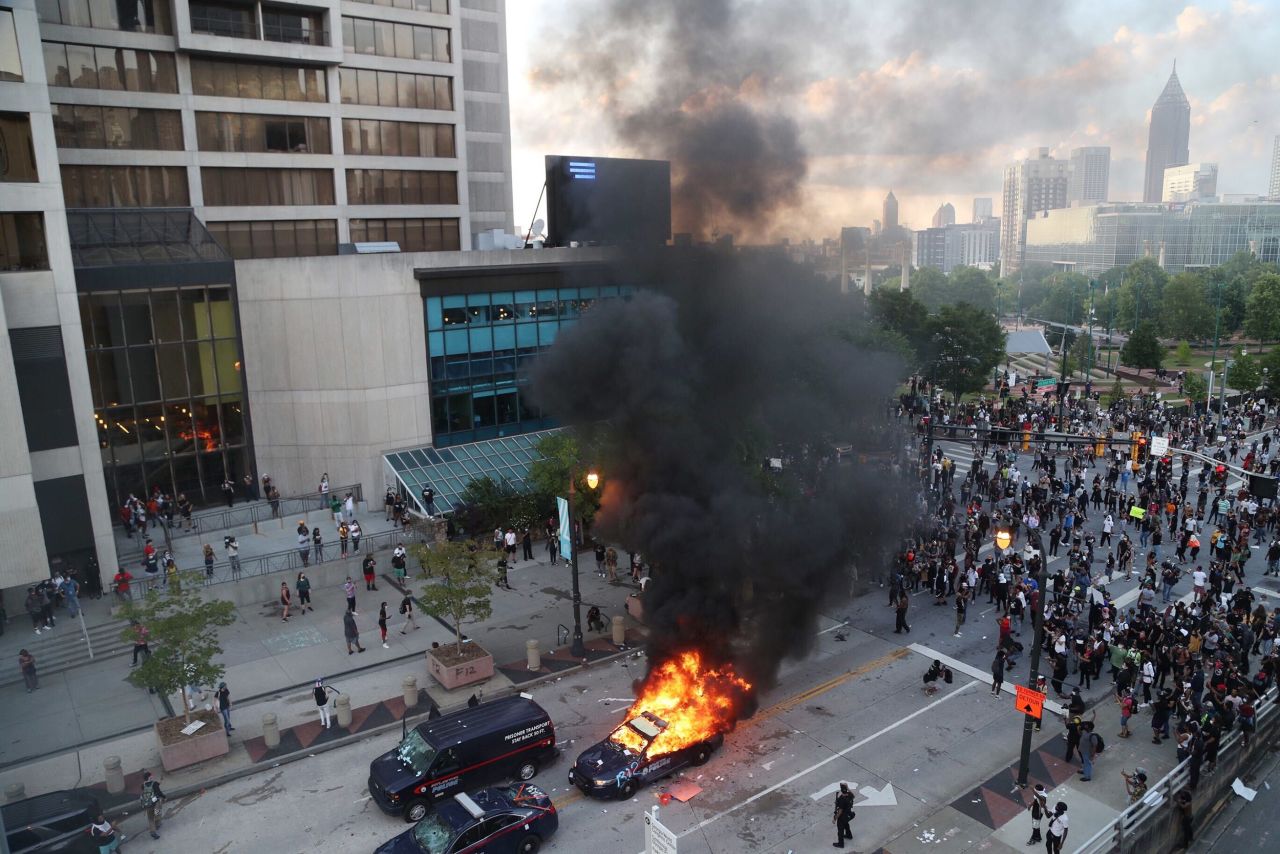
602 760
392 774
402 844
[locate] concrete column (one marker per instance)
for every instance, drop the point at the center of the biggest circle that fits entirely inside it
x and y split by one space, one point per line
115 776
343 704
619 631
533 654
15 792
270 731
410 686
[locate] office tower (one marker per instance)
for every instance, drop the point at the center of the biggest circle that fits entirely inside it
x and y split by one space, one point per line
1273 187
889 216
982 208
945 215
1030 186
1168 136
1090 169
1193 182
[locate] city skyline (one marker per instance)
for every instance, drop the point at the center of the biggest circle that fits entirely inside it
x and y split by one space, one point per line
1090 87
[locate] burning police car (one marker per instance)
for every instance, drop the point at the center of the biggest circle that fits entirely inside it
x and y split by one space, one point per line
636 754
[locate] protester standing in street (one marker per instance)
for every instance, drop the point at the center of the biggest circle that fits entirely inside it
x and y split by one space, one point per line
286 599
382 624
997 672
303 586
140 635
406 610
317 545
901 612
320 692
304 544
355 535
350 632
1057 835
1039 807
843 815
369 568
27 664
152 799
350 589
224 706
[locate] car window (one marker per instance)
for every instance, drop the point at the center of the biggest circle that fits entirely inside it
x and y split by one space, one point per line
415 752
498 822
468 838
447 763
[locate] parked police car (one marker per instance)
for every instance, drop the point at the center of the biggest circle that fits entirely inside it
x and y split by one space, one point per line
611 769
515 819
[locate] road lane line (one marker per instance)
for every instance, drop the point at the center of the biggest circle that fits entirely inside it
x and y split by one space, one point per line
833 757
978 674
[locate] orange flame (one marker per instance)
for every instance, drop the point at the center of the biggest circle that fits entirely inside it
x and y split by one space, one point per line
697 702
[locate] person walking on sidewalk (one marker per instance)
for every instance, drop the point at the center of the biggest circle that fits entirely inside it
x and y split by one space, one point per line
1039 808
351 633
1088 751
317 545
344 534
286 599
320 692
843 815
140 635
303 586
350 589
208 560
997 672
382 624
27 664
33 606
526 544
224 706
399 563
152 799
304 543
900 609
1057 835
406 611
388 504
105 835
368 566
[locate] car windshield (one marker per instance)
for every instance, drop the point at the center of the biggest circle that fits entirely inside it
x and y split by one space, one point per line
433 835
415 752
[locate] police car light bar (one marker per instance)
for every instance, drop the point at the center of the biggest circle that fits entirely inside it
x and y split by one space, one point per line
472 808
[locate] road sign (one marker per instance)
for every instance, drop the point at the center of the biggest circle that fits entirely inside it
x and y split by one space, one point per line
658 838
1029 702
1159 446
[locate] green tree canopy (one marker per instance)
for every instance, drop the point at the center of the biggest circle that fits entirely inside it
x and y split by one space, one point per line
1183 355
965 344
931 288
561 453
1195 386
1066 296
1184 310
487 503
971 285
183 628
460 577
1143 349
1271 379
1141 293
1262 309
1245 374
900 312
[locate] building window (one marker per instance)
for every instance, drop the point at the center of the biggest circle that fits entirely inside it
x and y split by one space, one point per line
401 187
88 67
258 133
293 26
229 79
224 19
413 235
277 238
10 59
89 126
403 41
138 16
395 89
403 139
165 375
22 245
17 153
125 186
440 7
234 186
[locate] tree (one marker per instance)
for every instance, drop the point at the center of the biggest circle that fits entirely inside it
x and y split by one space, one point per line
1143 349
1184 311
931 288
902 313
1271 379
562 453
1183 354
1078 355
965 345
971 285
1064 299
1195 387
1140 295
1245 374
183 628
487 504
461 581
1262 309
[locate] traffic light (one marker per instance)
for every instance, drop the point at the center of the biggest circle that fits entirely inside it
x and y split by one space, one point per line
1135 450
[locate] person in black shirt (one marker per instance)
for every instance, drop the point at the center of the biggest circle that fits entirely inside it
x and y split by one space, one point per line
843 815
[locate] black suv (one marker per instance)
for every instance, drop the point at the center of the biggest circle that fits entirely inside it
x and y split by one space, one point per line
53 822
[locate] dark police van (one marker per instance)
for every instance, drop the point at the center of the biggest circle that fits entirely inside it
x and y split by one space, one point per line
507 738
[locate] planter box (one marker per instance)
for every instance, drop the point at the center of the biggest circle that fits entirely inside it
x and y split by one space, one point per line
453 671
179 751
635 607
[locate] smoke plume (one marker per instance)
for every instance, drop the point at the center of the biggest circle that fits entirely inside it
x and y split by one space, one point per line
682 394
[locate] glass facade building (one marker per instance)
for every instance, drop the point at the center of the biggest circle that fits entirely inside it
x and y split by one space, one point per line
1091 240
479 343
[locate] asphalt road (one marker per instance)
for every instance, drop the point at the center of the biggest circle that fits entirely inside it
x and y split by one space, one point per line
852 711
1245 826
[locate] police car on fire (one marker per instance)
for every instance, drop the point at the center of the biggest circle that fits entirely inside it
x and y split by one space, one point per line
614 769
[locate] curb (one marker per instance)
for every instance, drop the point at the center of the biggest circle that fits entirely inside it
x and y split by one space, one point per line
240 773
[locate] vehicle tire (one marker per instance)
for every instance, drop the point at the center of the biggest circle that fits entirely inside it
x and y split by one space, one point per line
627 790
416 810
701 755
530 844
526 771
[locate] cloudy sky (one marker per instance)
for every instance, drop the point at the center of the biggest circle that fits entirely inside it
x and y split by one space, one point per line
928 98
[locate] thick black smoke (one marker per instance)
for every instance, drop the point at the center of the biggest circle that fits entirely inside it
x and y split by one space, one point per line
682 393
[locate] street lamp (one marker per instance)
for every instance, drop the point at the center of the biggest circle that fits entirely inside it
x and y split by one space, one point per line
1033 678
1003 539
577 649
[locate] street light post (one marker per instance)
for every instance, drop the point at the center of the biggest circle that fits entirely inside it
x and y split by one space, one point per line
577 649
1033 677
1213 363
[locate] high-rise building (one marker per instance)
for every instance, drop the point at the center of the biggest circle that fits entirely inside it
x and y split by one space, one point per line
982 208
1169 136
1193 182
1030 186
889 216
945 215
1090 170
1273 186
965 244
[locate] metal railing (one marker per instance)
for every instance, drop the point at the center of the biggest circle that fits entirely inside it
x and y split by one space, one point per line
1152 823
262 510
215 25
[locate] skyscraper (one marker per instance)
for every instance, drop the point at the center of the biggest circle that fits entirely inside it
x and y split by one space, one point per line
982 208
1168 137
1193 182
1273 189
1030 186
1090 170
889 218
945 215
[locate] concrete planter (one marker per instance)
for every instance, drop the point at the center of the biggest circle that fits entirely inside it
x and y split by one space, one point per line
179 751
453 671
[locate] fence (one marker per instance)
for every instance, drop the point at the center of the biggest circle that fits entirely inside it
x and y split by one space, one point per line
221 519
1152 824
